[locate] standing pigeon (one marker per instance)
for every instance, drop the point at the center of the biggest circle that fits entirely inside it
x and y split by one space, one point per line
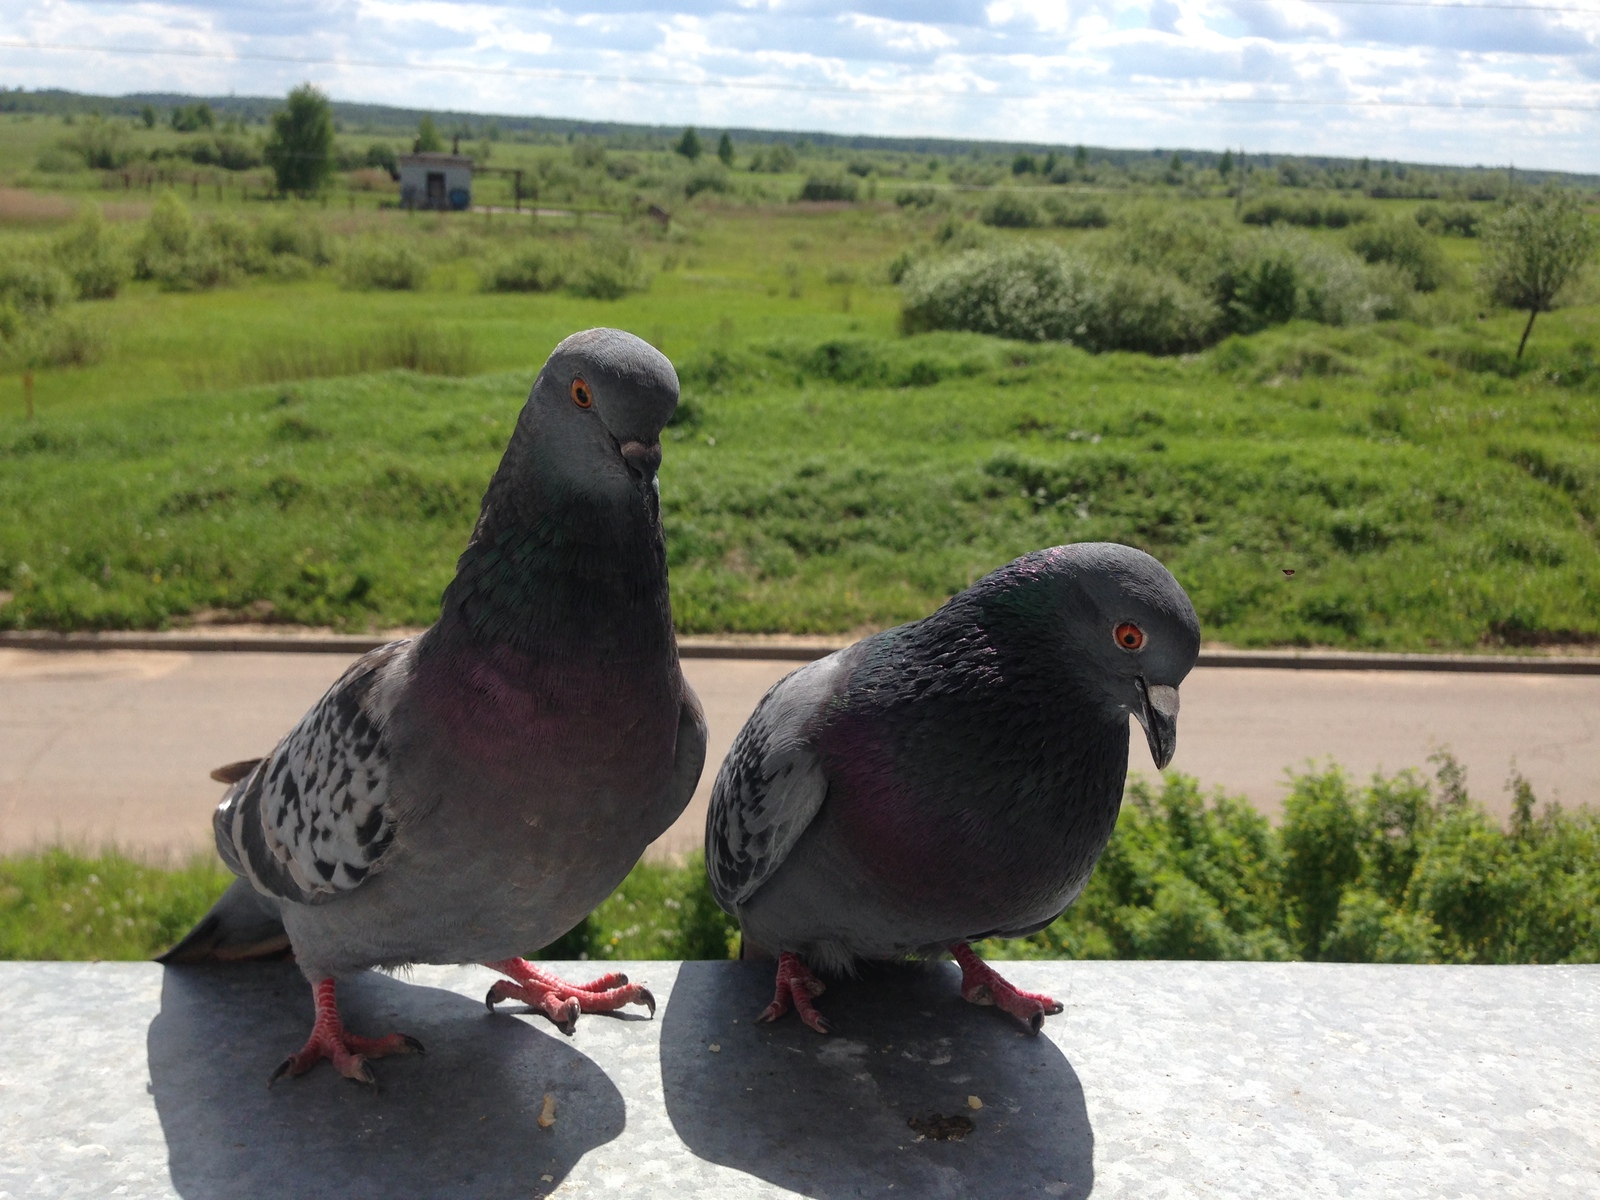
951 779
472 793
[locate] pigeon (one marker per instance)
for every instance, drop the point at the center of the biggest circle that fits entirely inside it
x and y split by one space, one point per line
951 779
472 793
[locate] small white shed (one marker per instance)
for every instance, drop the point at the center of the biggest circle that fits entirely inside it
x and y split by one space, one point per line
438 181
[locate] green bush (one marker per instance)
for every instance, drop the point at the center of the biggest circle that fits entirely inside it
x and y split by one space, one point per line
829 187
383 266
1396 871
31 286
530 269
1462 220
1067 215
1295 210
1008 210
608 268
92 256
1037 292
1406 246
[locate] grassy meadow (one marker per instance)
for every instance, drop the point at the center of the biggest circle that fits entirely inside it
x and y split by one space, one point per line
293 413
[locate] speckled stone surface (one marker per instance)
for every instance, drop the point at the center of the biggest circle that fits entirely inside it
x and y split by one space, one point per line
1159 1080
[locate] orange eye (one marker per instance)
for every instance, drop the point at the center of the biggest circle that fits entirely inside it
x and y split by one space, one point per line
580 393
1129 636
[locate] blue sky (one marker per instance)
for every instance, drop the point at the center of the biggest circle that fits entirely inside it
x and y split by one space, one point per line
1285 76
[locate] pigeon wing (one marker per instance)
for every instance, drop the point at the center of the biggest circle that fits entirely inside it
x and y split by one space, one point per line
313 819
771 785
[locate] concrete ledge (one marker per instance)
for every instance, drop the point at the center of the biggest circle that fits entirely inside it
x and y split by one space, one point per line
778 648
1160 1079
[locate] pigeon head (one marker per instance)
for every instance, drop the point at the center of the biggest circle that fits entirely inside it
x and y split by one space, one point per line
605 395
1122 625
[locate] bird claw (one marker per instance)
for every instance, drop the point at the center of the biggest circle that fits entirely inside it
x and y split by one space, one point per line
982 984
561 1001
796 987
347 1052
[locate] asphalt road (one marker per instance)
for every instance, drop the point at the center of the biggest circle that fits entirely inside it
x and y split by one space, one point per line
101 747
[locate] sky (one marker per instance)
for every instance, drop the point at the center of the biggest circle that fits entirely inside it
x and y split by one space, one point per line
1445 81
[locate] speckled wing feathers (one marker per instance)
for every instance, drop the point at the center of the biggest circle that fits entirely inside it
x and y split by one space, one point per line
770 787
312 819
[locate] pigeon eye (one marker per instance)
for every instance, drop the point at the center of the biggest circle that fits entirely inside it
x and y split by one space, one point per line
581 396
1129 636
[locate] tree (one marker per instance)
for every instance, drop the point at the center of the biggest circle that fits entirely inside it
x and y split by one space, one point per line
1532 250
1080 158
300 148
1225 167
689 144
428 139
147 114
725 150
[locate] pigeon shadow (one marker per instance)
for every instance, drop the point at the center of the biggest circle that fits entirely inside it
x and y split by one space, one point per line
830 1116
459 1121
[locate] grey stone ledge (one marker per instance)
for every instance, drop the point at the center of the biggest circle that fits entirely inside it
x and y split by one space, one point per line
1159 1080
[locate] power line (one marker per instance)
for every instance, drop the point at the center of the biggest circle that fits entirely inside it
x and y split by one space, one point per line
769 86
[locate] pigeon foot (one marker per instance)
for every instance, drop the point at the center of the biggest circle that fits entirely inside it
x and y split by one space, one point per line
346 1051
796 986
982 984
559 1000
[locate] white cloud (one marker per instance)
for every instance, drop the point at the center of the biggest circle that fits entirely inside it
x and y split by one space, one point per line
1268 74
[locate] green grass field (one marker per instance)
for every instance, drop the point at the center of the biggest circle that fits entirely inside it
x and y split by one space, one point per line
257 431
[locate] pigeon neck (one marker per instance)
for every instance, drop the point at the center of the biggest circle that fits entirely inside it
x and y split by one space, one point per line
558 581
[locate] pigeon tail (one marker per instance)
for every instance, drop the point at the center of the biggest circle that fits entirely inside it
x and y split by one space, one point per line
243 926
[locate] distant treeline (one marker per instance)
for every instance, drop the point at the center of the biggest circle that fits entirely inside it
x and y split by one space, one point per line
1389 177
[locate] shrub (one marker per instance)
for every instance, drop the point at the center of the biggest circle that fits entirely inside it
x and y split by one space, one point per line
1037 292
608 269
1276 210
829 187
710 178
32 287
1396 871
1008 210
1404 244
290 234
917 197
384 266
1462 220
531 269
1065 215
92 256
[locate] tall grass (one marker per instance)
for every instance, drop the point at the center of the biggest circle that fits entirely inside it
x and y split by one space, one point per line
426 349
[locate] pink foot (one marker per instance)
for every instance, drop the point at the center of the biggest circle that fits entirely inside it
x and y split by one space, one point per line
347 1052
796 986
982 984
562 1001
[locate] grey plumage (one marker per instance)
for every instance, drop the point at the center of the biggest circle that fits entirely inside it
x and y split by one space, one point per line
954 778
470 794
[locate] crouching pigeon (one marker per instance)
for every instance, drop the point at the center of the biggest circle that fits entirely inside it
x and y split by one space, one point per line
470 794
951 779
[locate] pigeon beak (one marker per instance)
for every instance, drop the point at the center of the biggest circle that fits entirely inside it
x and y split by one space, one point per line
1159 716
644 458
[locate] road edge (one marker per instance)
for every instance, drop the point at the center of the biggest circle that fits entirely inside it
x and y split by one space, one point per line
790 650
